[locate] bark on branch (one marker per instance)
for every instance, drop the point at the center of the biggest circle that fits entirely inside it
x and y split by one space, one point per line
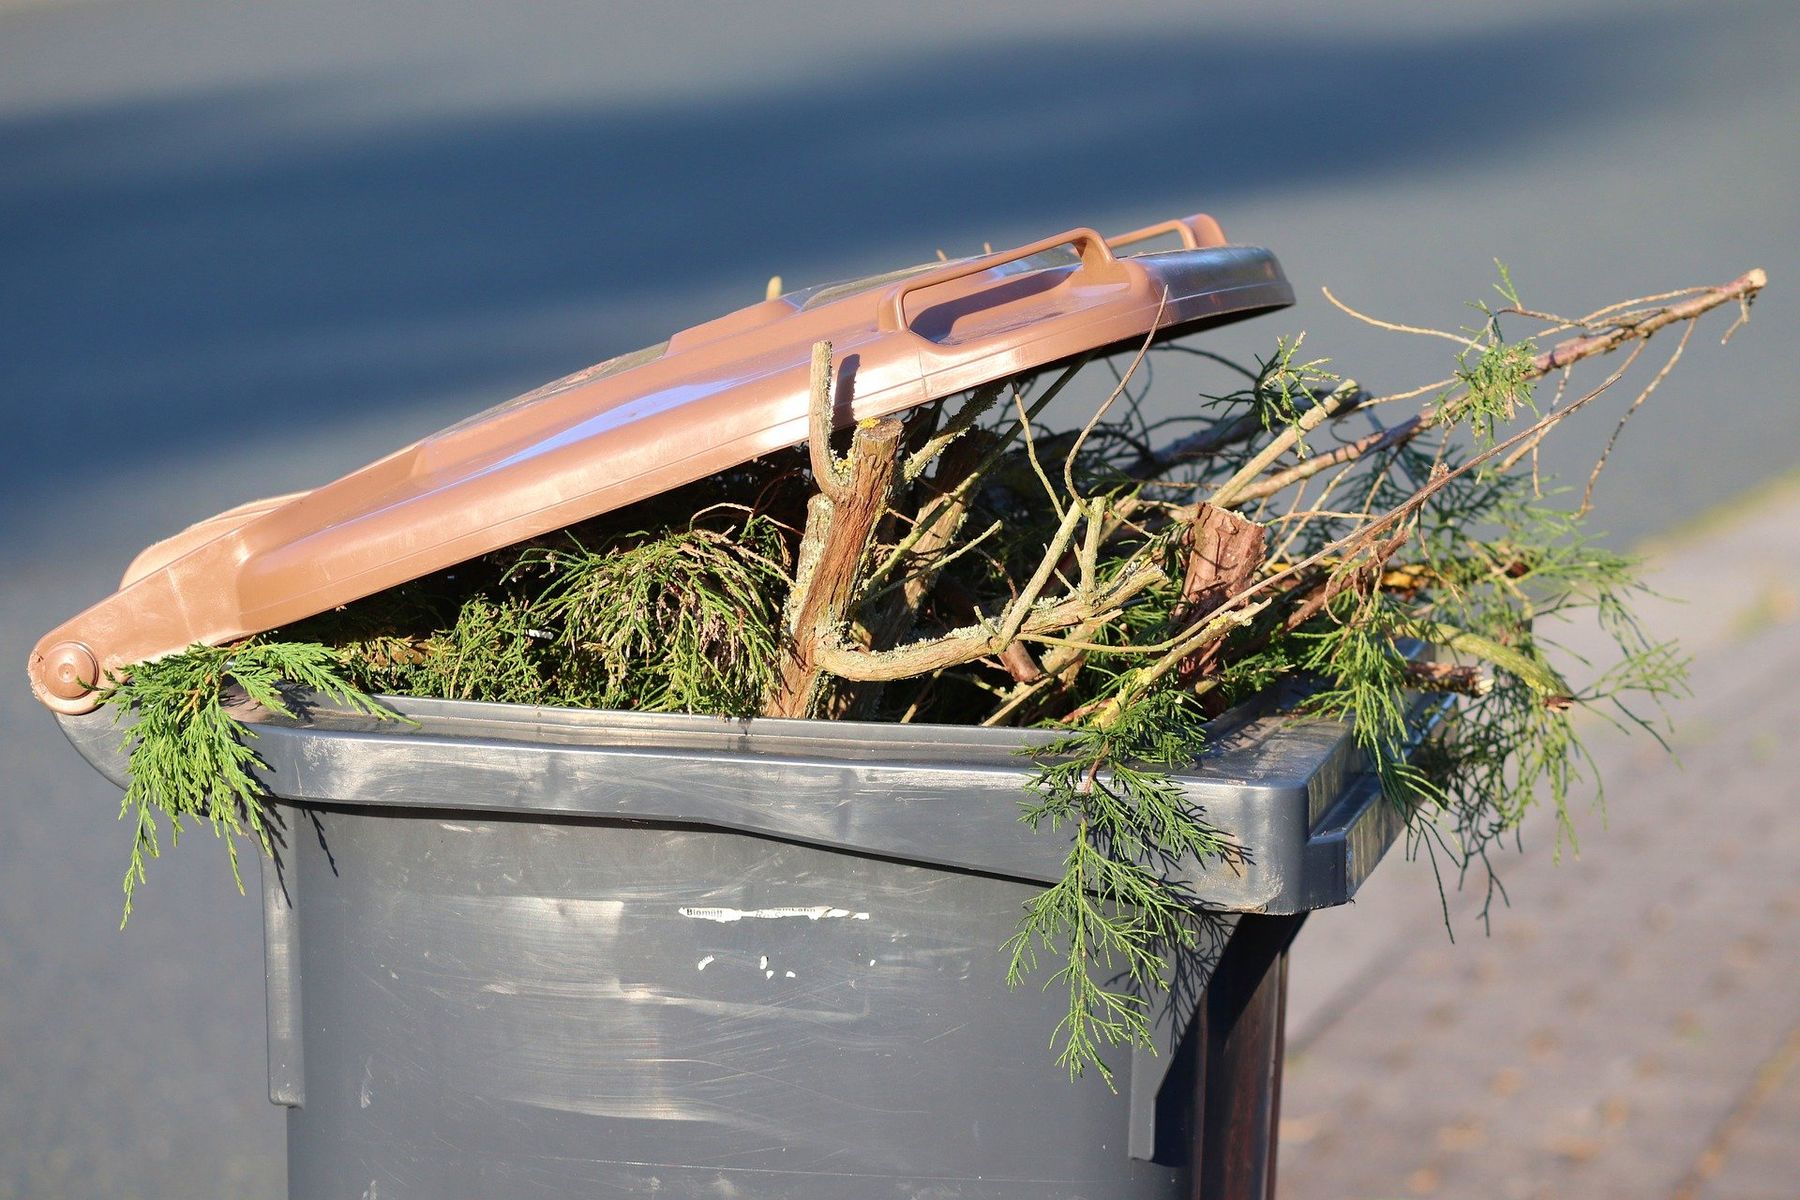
840 520
1224 553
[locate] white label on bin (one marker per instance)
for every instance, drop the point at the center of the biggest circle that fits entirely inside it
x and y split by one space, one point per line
727 915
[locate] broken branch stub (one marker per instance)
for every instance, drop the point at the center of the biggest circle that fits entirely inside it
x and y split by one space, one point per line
1224 552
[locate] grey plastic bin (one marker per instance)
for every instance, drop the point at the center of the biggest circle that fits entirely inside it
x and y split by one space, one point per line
534 953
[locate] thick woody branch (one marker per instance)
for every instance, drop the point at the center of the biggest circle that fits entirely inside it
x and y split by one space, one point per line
840 521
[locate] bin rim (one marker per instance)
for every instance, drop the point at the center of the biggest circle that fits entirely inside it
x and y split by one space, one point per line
1293 789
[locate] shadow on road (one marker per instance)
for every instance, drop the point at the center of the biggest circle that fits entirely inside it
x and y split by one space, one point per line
185 273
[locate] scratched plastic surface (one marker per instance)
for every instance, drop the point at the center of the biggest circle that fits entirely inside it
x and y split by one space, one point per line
549 953
520 1009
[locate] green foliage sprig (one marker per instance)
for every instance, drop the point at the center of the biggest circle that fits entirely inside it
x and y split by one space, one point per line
1113 918
688 623
189 755
671 620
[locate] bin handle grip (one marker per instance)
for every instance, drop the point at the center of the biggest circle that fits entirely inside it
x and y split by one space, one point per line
1098 265
1196 233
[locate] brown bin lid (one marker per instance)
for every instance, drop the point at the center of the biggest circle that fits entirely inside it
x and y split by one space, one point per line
711 397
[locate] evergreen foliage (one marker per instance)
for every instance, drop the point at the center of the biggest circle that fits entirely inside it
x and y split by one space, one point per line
681 620
187 753
1043 571
1113 919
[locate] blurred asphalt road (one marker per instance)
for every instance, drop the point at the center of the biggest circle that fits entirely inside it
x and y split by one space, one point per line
246 248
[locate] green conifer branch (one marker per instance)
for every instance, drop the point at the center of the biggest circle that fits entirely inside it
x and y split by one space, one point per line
1420 535
187 752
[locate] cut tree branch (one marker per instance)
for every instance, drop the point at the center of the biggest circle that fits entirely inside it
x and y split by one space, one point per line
983 638
840 521
1238 491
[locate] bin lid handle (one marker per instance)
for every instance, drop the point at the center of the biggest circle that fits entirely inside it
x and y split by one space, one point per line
713 397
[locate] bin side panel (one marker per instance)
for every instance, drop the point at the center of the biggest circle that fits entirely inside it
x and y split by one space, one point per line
536 1008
